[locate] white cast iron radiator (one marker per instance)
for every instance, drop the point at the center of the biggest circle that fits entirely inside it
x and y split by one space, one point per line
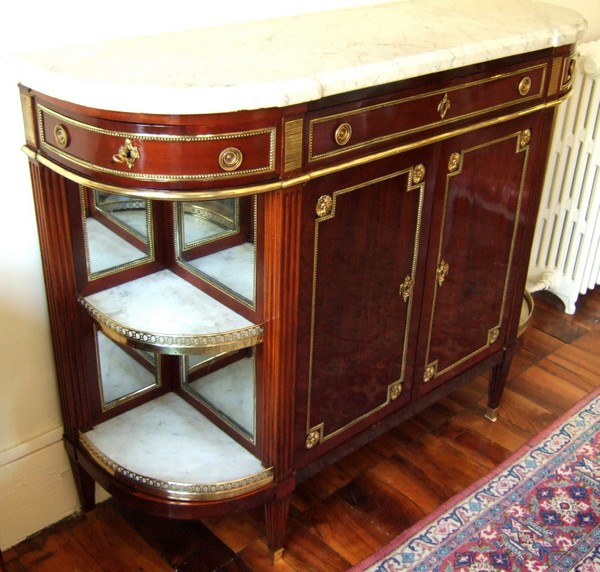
565 257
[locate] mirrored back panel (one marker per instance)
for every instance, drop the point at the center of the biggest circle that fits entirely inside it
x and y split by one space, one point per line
117 231
226 384
124 373
216 240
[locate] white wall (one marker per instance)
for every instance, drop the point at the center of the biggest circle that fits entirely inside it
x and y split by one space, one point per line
36 487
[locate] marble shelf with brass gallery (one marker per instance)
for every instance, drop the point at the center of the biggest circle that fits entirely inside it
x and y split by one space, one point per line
164 313
166 449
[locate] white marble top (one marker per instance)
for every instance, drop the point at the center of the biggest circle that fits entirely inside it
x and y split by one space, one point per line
274 63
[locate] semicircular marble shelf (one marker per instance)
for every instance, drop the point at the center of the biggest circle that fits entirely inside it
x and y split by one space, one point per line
164 313
168 449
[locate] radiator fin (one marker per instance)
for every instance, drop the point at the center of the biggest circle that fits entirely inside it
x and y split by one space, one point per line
565 257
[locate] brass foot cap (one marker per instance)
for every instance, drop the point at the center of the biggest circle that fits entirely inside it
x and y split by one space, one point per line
277 555
491 413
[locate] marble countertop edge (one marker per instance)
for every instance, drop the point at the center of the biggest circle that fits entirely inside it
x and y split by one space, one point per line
201 85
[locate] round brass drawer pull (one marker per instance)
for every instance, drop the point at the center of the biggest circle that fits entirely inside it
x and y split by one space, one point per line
343 133
61 136
230 158
525 85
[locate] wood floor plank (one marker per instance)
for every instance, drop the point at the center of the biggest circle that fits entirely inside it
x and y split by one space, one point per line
114 544
542 386
346 530
473 444
410 481
397 438
334 477
589 342
180 542
441 463
539 343
549 317
519 411
386 507
502 431
239 530
306 552
257 556
580 362
57 550
568 374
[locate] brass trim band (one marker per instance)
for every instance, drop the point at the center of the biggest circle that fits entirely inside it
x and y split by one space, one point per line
232 192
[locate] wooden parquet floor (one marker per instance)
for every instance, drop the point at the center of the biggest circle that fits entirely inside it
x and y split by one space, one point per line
355 506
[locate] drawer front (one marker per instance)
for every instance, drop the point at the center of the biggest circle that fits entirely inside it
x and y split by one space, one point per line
158 156
347 130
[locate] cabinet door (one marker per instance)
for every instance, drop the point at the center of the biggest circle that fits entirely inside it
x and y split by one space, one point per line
359 265
480 205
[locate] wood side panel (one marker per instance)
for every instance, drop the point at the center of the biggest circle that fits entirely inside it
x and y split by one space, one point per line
281 269
49 192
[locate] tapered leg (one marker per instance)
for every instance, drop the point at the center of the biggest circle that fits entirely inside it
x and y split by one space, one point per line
498 376
276 513
86 486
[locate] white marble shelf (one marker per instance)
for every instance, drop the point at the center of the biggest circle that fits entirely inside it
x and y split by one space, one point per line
164 313
280 62
170 449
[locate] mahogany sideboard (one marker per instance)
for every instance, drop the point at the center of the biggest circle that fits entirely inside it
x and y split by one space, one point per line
242 291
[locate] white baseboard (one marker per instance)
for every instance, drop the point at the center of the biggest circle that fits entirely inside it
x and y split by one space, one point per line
37 488
34 445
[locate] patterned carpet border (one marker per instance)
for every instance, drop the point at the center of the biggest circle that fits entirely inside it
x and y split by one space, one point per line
538 511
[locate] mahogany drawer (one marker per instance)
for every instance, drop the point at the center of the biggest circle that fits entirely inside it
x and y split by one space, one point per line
157 154
354 127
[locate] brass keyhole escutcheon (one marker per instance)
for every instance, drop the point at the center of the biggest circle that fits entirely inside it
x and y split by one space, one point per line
230 159
127 154
343 133
525 85
407 287
61 136
442 272
444 106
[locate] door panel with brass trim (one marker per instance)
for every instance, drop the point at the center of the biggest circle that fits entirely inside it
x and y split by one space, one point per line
360 254
479 205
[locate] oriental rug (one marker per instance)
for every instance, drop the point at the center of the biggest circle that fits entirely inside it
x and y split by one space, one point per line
538 511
